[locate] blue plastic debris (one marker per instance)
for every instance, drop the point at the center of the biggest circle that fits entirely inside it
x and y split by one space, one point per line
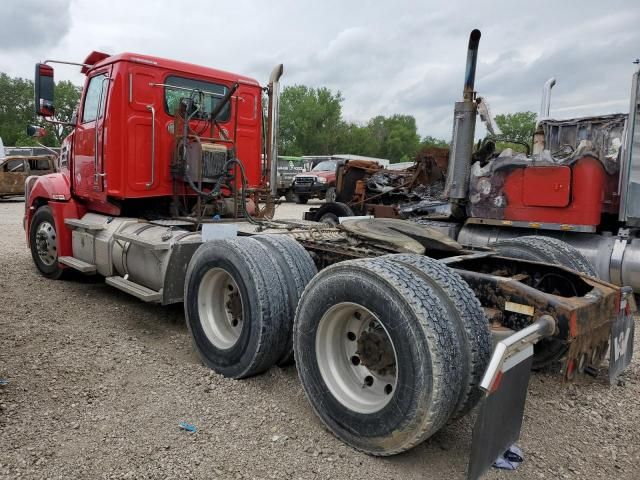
3 381
509 460
187 427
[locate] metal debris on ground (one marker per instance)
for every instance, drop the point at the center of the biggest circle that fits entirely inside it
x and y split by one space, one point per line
187 427
510 459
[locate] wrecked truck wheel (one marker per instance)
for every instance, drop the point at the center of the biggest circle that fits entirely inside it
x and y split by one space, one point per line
548 351
289 196
545 249
233 297
298 269
43 242
331 212
330 195
377 357
468 315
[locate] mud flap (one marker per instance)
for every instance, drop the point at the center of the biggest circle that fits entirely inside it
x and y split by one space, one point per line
621 341
500 413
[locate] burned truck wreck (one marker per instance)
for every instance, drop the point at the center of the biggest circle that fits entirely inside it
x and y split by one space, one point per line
579 184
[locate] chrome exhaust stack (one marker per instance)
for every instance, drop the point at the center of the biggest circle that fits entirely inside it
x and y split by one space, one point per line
464 125
273 90
545 107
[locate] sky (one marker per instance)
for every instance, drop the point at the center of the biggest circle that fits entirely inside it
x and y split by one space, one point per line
385 57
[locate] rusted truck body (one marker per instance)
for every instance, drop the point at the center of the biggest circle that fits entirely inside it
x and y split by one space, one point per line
15 169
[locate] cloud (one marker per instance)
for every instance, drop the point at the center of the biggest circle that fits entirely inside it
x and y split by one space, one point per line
385 57
27 24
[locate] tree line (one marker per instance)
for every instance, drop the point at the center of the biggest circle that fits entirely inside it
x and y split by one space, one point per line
17 111
311 123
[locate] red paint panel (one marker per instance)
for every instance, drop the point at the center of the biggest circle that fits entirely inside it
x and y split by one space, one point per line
546 186
588 183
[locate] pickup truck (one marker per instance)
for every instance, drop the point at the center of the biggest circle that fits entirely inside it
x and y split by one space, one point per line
319 182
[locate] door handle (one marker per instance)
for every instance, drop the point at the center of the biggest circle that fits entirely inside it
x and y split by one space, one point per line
153 146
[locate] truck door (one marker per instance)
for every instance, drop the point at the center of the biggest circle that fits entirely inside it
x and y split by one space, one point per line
90 135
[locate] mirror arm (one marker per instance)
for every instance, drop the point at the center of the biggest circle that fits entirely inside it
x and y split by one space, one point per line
58 122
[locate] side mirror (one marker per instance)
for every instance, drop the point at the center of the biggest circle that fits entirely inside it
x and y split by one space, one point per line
35 131
44 87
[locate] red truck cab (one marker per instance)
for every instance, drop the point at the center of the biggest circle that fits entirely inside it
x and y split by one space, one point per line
118 158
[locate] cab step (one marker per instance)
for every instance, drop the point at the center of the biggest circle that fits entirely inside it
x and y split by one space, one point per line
77 264
139 291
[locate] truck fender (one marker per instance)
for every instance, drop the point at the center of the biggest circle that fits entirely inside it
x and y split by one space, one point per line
52 190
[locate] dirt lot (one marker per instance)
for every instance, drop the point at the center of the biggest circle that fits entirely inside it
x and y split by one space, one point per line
99 382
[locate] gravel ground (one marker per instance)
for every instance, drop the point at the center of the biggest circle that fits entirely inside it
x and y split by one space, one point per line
99 382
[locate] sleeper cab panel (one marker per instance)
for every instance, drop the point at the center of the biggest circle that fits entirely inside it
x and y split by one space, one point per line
586 194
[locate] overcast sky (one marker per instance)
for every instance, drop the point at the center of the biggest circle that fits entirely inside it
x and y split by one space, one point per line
385 57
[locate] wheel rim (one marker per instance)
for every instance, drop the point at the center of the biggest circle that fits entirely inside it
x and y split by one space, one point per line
356 358
46 243
220 308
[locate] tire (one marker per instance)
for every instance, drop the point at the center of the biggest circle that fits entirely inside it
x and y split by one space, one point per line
289 196
232 274
330 212
545 249
472 324
302 199
330 195
548 351
417 352
298 269
43 244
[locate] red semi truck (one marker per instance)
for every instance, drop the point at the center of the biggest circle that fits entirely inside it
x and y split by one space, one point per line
162 191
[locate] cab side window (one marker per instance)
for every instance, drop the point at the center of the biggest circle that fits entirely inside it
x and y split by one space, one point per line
96 96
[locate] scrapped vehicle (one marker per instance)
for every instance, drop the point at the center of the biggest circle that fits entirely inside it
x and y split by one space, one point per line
14 171
319 182
288 168
390 323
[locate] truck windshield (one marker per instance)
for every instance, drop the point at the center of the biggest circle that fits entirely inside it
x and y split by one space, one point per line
208 95
325 166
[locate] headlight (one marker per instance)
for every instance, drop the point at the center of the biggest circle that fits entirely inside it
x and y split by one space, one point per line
321 180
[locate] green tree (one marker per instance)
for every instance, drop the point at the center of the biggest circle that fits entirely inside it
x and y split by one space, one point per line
517 128
395 138
67 98
311 124
430 141
17 110
310 121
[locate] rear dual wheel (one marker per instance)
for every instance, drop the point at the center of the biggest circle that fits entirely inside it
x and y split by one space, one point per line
240 297
383 355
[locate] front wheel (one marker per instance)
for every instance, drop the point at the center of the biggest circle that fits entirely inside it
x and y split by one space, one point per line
289 196
43 241
302 199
